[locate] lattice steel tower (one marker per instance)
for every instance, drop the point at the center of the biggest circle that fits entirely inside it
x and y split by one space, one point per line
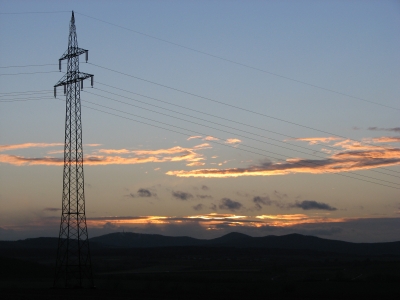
73 265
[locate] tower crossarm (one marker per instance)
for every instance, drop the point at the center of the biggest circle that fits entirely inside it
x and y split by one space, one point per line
73 52
72 77
76 77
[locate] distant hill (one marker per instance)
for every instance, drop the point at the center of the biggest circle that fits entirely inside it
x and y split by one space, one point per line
37 243
135 240
237 240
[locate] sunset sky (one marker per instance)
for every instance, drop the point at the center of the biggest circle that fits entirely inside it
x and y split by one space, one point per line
207 117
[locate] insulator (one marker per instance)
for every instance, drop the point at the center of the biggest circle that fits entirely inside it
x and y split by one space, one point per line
87 55
91 80
65 89
55 92
82 84
59 64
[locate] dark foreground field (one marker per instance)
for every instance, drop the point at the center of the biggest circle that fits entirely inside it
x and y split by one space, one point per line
199 272
211 273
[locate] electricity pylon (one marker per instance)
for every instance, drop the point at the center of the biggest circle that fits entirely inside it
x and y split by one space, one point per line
73 265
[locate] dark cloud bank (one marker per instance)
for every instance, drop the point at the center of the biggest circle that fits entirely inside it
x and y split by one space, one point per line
182 195
310 204
394 129
143 193
229 204
305 205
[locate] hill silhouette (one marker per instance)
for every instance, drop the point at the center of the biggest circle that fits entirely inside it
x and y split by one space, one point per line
239 240
127 240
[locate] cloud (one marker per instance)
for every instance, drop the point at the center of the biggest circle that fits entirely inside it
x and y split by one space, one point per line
182 195
144 193
232 141
258 201
339 162
229 204
210 138
393 129
52 209
29 145
204 196
115 151
205 188
198 206
217 224
279 195
195 164
387 139
317 140
21 161
175 154
311 204
194 137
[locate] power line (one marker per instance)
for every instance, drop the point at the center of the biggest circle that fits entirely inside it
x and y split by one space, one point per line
48 98
36 12
241 64
255 134
226 145
233 121
26 92
47 91
28 73
314 163
219 124
26 66
25 99
217 57
234 106
2 97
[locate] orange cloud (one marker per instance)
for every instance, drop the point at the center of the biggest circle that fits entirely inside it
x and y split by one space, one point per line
339 162
316 140
297 219
194 137
232 141
174 154
210 138
283 217
213 220
114 151
21 161
387 139
28 145
353 145
196 164
215 216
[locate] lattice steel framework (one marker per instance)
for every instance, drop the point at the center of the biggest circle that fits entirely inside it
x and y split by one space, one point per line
73 265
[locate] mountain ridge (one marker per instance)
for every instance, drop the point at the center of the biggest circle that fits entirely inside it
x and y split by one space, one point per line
233 239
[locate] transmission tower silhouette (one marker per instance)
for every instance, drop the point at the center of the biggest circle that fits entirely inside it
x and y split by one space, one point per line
73 265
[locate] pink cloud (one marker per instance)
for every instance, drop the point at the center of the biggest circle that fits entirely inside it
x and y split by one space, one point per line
316 140
339 162
174 154
28 145
232 141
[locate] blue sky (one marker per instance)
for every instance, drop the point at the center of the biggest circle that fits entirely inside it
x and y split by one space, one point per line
288 109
